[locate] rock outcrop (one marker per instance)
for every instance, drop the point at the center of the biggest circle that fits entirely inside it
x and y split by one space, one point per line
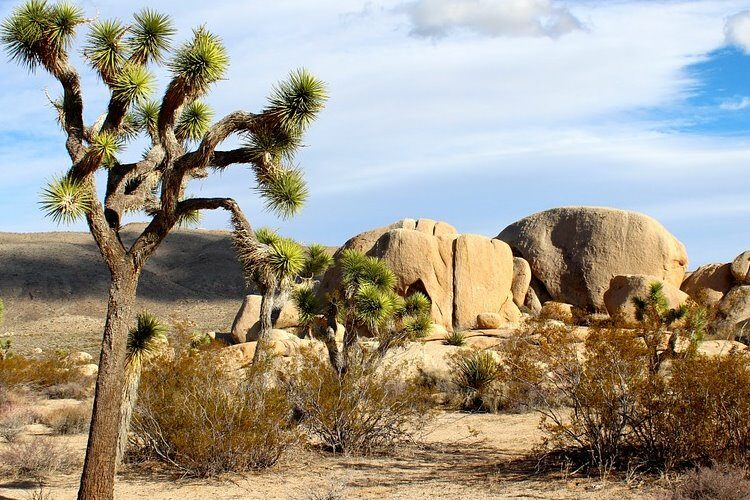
521 280
575 251
741 268
708 284
623 289
463 275
734 314
246 324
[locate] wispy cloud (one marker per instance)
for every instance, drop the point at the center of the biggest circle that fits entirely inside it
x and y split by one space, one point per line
737 30
735 104
495 18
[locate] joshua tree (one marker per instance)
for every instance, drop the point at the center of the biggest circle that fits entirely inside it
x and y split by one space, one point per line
292 267
364 301
657 319
39 35
145 340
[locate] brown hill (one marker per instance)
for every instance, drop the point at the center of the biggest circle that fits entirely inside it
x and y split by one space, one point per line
54 285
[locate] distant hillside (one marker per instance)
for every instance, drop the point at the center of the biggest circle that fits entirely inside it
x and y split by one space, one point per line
55 285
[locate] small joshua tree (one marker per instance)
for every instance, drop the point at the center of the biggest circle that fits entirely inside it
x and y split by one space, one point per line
183 146
292 268
364 300
145 341
657 319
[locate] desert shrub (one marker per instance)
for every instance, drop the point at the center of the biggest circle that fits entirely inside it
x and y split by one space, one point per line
614 399
80 389
196 417
12 422
40 374
70 419
38 458
715 483
369 408
455 338
476 374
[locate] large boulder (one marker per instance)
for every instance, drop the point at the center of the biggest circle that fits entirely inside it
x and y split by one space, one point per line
482 277
741 268
463 275
422 263
708 284
246 326
521 280
575 251
733 319
623 289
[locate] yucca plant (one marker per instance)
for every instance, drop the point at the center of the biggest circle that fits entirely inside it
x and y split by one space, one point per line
365 299
455 338
657 320
38 35
145 341
475 373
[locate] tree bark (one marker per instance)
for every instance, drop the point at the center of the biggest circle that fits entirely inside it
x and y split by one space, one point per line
98 478
129 399
266 324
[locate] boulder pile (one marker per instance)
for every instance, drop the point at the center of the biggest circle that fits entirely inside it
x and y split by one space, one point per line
464 275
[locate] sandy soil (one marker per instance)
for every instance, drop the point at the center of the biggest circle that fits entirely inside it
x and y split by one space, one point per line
459 455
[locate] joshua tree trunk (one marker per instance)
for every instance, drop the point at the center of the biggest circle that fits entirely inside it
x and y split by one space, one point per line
97 480
266 322
129 396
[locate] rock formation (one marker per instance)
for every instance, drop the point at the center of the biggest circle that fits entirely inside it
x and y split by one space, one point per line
574 252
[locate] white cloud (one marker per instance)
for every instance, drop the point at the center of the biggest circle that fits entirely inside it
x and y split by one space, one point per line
737 30
478 131
735 104
438 18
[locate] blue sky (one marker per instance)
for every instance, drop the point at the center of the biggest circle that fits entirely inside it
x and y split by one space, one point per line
476 112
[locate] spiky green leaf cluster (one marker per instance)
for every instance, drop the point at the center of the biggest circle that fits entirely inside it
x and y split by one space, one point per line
266 235
655 308
417 304
146 115
106 145
201 61
298 100
2 311
65 200
38 33
105 48
308 304
284 191
317 261
278 142
194 121
477 371
132 84
150 36
191 218
358 269
417 327
146 339
373 306
286 258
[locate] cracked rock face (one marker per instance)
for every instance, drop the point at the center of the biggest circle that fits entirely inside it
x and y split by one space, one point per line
574 252
464 275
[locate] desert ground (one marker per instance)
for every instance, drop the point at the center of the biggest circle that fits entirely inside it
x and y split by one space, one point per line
458 455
